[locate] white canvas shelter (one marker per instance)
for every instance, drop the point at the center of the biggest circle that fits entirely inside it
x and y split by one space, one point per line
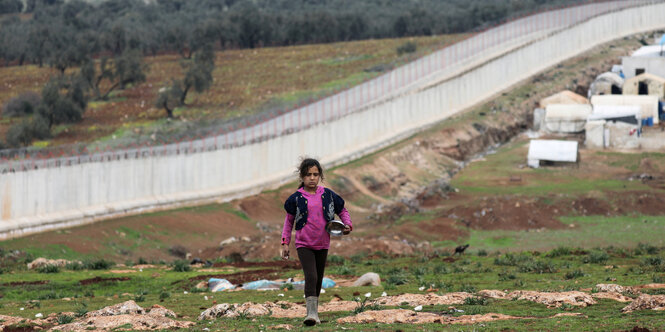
648 104
551 150
606 112
606 84
652 85
566 118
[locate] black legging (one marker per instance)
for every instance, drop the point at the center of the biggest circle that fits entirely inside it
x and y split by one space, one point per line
313 264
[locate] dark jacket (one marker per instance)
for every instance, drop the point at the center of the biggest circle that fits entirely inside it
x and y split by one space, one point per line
296 205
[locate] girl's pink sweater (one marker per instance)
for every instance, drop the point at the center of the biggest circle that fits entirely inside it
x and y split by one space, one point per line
313 235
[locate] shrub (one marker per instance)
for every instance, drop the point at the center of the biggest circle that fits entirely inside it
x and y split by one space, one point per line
28 130
24 104
505 275
482 252
181 266
81 310
334 259
559 251
164 295
397 277
142 261
574 274
473 300
537 267
596 257
408 47
100 264
48 269
646 248
467 288
64 319
512 260
343 270
75 266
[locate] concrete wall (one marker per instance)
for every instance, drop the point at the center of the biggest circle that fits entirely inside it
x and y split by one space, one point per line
47 197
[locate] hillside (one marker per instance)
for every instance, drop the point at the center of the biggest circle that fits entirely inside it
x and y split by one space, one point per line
420 194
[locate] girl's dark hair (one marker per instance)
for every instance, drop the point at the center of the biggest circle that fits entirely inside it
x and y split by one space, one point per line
305 165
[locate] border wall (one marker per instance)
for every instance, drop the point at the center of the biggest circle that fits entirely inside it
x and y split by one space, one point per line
39 193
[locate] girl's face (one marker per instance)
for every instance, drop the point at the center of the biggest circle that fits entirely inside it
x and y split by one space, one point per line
311 179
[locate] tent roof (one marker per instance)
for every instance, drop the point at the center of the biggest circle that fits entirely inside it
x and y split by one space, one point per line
567 111
553 150
646 77
563 97
648 51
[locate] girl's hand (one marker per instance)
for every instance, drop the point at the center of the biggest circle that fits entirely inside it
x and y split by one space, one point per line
285 252
346 230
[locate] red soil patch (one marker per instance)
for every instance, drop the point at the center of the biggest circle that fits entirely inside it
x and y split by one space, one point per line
263 209
506 213
431 230
97 280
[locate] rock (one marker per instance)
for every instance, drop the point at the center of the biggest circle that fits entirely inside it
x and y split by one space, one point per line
554 299
215 312
228 241
158 310
368 279
391 316
615 288
493 294
40 262
646 301
128 307
281 327
424 299
612 296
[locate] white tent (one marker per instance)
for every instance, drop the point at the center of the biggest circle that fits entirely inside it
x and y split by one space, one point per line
648 104
566 118
609 112
551 150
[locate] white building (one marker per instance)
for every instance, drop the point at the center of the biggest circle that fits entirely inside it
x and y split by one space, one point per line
648 59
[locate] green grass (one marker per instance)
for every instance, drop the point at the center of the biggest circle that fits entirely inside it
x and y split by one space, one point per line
632 266
587 232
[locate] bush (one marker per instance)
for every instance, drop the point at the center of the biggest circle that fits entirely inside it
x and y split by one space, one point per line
560 251
334 259
48 269
75 266
596 257
467 288
574 274
408 47
28 130
645 248
99 265
473 300
164 295
64 319
512 260
537 267
397 277
181 266
24 104
482 252
142 261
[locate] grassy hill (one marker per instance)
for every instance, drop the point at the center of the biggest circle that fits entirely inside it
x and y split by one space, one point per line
246 82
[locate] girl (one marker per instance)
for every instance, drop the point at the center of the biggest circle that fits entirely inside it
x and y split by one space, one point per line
310 208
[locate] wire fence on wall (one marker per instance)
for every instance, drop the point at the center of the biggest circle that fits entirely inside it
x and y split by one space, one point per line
445 62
